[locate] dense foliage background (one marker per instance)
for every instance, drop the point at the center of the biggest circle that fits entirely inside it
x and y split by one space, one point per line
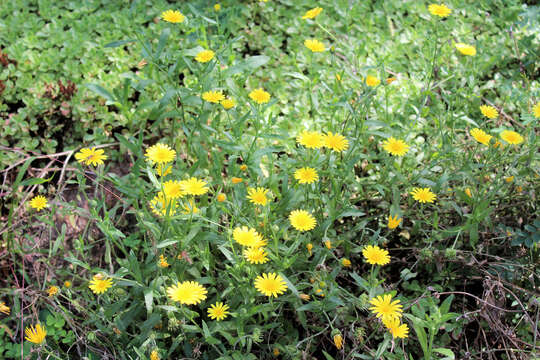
114 75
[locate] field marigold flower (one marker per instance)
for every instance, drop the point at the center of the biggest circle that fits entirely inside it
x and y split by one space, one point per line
255 255
309 247
468 192
480 136
346 262
38 202
205 56
91 156
302 220
310 139
213 96
161 205
221 197
372 81
4 308
393 222
423 195
259 96
248 237
154 355
187 292
391 80
36 334
98 285
328 244
306 175
218 311
336 142
304 297
270 284
257 196
243 167
162 263
173 16
194 186
439 10
52 290
236 180
312 14
67 284
374 255
163 169
173 189
509 179
228 103
190 208
489 111
536 110
338 341
385 308
160 154
314 45
395 147
511 137
217 7
465 49
396 328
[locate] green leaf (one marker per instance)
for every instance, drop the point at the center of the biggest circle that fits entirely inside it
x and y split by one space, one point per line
117 43
102 92
447 352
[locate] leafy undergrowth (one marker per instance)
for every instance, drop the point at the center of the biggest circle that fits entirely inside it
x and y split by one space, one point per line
257 180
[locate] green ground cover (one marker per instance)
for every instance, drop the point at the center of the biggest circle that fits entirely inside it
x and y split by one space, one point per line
139 243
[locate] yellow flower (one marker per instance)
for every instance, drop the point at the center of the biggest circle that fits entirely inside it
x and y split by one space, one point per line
393 222
4 309
173 189
310 139
309 247
335 142
480 136
304 297
221 197
395 328
36 334
217 7
162 263
270 284
465 49
163 169
509 179
236 180
519 188
187 292
228 103
91 156
257 196
385 308
67 284
161 205
319 292
190 208
423 195
255 255
511 137
489 111
213 96
172 16
38 202
536 110
312 14
243 167
390 80
248 237
259 96
372 81
160 154
154 355
374 255
395 147
98 285
306 175
52 290
218 311
328 244
205 56
275 352
302 220
314 45
346 262
194 186
440 10
338 341
468 192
